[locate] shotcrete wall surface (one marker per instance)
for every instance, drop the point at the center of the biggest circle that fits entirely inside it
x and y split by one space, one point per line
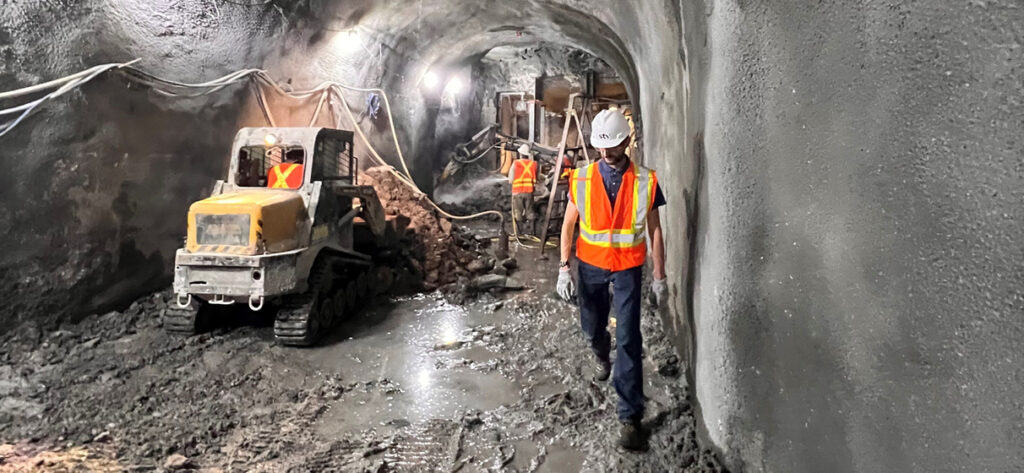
859 298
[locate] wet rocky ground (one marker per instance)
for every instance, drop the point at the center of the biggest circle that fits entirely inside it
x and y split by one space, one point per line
500 383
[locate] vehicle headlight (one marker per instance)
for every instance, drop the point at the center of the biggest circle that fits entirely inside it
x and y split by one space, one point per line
222 229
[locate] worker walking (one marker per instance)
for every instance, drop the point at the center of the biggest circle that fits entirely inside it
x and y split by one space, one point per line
616 203
523 176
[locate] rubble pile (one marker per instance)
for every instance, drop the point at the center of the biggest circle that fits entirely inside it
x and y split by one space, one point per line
440 251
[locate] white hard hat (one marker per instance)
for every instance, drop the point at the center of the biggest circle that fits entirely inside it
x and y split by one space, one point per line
608 129
524 149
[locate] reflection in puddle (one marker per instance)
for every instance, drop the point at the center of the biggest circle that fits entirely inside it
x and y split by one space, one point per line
408 330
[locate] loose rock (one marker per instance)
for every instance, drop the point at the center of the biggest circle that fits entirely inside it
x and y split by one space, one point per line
177 462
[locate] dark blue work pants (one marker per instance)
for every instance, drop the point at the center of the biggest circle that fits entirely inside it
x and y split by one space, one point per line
628 373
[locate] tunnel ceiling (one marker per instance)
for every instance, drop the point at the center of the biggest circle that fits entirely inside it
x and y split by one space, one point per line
402 41
418 38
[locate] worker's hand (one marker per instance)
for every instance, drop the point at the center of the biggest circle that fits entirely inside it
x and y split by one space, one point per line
660 289
566 288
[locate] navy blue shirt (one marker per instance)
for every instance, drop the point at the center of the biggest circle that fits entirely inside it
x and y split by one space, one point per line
613 181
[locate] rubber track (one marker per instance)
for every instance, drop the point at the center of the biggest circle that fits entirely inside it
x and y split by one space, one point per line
291 326
178 320
351 283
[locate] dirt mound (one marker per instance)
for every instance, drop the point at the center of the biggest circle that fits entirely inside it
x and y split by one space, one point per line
24 458
443 252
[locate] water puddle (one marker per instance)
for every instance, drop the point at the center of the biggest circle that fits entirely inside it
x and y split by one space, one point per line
561 459
401 356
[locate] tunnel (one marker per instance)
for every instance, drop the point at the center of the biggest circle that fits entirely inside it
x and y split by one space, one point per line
843 180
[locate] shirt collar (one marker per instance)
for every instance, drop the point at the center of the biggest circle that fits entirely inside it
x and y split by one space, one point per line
608 167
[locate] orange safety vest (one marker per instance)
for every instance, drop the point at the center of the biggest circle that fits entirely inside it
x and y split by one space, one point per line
566 168
524 174
612 238
285 176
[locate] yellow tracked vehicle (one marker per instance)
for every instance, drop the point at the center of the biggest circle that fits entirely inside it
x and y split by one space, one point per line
281 234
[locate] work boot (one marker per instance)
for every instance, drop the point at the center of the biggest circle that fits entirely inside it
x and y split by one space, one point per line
631 434
602 369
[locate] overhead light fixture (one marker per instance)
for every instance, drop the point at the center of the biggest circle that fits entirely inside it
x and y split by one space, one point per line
270 140
454 86
348 41
430 79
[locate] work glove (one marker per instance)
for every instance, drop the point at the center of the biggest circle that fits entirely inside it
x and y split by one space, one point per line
660 289
565 287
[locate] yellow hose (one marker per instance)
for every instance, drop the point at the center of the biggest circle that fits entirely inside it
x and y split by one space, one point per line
515 230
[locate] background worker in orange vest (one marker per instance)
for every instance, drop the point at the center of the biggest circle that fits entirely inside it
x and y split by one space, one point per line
523 176
616 203
567 166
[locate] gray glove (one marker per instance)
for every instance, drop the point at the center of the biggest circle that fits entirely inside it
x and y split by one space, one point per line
566 289
660 289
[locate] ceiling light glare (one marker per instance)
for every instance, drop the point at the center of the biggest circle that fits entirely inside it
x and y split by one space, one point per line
454 86
348 41
430 79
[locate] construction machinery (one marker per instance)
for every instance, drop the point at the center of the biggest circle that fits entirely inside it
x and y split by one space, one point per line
290 230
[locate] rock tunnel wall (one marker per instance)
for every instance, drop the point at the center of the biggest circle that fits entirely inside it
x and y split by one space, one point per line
853 169
96 185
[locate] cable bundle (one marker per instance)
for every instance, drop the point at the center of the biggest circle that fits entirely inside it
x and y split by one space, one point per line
62 86
259 79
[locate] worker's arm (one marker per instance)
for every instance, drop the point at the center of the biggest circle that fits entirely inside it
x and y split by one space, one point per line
657 242
511 172
568 229
540 189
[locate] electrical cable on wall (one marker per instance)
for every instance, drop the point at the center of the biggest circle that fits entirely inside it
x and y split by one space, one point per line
62 85
259 78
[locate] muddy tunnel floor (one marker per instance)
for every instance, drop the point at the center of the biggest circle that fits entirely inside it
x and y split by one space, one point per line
411 384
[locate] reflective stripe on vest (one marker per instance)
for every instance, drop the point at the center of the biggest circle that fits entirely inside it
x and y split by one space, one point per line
524 174
285 176
613 238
